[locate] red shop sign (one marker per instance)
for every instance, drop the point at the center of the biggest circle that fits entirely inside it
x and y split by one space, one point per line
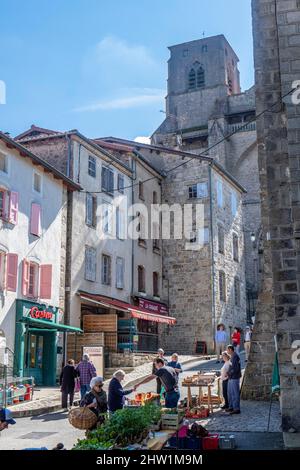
153 307
41 314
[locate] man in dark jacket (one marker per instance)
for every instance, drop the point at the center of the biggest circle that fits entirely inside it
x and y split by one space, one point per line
169 379
234 375
67 382
116 394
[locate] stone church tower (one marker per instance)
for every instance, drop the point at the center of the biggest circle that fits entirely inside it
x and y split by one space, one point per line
207 114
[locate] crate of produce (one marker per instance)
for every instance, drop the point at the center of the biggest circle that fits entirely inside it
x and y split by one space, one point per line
211 442
197 413
171 421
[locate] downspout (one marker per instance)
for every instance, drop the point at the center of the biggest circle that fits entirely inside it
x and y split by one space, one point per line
69 156
79 155
132 248
212 253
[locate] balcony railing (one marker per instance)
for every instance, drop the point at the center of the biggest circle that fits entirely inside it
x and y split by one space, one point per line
242 127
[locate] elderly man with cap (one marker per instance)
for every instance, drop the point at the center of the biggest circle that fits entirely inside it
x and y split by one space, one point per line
5 419
96 399
86 371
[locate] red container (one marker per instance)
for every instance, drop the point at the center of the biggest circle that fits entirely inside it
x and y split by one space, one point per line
211 442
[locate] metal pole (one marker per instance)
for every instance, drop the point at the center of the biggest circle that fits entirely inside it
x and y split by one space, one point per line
271 400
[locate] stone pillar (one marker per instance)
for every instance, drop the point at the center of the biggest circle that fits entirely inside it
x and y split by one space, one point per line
276 48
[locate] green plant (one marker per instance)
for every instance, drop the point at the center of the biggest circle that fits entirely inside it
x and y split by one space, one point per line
126 426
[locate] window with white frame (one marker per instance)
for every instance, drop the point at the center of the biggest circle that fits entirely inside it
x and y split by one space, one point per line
3 163
106 270
121 183
198 191
203 235
3 203
90 263
92 166
220 193
120 271
120 224
233 203
107 180
2 270
37 182
107 218
33 280
91 209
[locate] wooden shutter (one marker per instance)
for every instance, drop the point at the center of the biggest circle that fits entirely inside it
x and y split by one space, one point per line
25 277
35 221
13 207
46 281
11 272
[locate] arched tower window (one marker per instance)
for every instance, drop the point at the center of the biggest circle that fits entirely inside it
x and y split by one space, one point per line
196 77
200 78
192 79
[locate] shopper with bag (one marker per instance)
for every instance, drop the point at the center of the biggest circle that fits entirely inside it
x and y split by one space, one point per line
67 382
96 400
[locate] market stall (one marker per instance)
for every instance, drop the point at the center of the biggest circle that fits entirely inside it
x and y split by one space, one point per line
16 390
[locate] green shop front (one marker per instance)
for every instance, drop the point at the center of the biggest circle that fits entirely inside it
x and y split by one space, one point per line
36 341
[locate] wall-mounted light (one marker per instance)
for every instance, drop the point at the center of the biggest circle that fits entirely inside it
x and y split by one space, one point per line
253 237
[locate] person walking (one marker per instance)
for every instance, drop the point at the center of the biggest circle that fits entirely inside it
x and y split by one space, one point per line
221 341
5 418
67 383
86 372
247 342
169 379
234 375
161 355
175 364
236 339
96 400
224 378
116 393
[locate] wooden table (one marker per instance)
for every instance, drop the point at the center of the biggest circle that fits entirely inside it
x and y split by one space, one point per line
200 386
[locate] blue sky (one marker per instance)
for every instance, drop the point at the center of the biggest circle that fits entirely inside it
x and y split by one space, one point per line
101 66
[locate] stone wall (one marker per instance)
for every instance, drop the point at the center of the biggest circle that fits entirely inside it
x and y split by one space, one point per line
276 40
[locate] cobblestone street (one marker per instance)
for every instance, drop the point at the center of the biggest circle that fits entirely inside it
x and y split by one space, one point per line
249 427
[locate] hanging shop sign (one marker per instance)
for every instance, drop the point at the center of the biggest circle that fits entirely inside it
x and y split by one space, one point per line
153 307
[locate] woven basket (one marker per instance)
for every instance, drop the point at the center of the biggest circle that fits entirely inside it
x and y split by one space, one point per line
82 418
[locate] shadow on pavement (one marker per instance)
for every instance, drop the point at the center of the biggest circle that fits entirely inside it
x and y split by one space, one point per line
51 417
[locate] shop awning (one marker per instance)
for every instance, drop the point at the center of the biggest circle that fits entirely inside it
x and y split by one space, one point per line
144 315
35 322
136 312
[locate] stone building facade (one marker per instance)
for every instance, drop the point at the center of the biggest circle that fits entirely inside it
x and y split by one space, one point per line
192 273
33 247
276 27
204 105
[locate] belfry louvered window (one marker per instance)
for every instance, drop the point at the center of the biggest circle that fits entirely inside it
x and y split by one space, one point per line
196 77
200 78
192 80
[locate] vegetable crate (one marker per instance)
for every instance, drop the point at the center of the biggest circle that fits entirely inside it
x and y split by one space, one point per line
171 421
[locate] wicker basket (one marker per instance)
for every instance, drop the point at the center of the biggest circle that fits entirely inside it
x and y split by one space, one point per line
82 418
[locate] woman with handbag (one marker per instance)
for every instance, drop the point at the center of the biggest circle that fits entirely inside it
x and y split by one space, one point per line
96 400
67 382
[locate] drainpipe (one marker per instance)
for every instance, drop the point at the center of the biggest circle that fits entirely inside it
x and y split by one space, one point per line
69 155
79 155
212 251
132 246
